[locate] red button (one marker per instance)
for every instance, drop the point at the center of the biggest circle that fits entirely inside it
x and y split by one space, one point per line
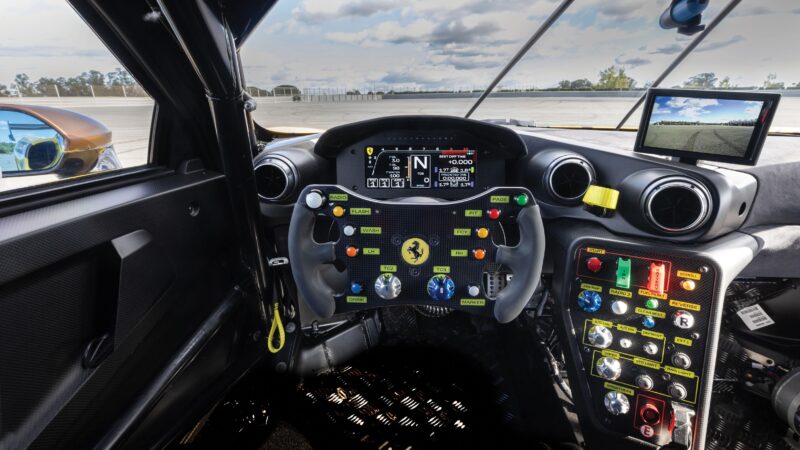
594 264
351 251
494 213
650 414
479 254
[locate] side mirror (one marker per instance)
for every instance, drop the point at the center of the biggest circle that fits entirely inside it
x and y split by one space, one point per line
27 144
36 140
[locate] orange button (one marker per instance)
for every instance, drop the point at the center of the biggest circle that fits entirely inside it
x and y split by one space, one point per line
482 233
688 285
479 254
338 211
351 251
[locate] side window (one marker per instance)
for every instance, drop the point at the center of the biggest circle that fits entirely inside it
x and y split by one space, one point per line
67 107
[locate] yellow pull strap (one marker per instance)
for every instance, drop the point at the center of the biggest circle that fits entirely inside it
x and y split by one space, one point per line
277 324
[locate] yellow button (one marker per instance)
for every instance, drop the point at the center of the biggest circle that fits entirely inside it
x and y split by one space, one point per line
688 285
482 233
338 211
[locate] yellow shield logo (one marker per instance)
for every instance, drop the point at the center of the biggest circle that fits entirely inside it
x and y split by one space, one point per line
369 151
415 251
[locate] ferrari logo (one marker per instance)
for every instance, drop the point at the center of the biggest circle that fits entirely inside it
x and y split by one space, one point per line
369 151
415 251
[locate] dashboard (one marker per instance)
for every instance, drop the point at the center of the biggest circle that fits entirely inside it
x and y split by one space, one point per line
455 214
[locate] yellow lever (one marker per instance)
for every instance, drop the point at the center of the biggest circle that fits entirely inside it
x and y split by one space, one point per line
601 197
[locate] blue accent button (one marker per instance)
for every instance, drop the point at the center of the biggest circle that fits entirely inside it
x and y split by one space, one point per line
648 322
589 301
441 287
356 288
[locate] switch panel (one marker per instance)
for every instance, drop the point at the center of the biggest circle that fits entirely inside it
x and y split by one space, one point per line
641 334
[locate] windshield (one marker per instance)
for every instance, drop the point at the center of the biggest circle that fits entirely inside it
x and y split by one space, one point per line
320 63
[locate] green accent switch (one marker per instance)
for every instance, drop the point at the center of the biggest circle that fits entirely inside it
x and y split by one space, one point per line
623 273
651 303
521 199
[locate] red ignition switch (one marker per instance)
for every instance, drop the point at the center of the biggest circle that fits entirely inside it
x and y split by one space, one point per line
494 213
594 264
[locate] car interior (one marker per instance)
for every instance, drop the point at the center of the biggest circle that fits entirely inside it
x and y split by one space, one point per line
400 282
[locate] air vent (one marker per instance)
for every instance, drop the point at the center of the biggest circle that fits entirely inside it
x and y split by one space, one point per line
569 178
677 204
275 179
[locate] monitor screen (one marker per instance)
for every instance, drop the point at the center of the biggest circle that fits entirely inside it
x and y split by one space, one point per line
709 125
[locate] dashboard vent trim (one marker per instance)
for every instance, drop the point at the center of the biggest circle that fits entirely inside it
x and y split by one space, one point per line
276 178
677 204
568 178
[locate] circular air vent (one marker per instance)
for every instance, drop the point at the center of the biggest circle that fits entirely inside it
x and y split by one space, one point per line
569 178
677 204
275 179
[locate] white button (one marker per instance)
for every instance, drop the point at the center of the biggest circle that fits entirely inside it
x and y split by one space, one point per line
625 343
683 319
619 307
650 348
473 290
314 199
349 230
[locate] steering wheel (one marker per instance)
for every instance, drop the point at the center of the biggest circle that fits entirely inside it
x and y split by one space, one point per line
415 252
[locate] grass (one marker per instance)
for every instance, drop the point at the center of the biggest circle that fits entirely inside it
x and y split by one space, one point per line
716 139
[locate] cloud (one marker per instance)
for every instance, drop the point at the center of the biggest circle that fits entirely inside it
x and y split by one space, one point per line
719 44
620 10
631 62
657 109
668 50
691 107
317 11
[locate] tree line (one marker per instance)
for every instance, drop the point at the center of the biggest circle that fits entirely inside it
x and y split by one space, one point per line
615 78
87 84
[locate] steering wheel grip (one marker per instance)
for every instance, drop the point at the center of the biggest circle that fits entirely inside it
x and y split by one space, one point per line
525 261
307 258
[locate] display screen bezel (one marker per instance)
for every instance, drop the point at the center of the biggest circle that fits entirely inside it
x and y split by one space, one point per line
753 151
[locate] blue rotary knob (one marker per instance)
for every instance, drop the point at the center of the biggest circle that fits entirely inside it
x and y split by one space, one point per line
589 301
441 287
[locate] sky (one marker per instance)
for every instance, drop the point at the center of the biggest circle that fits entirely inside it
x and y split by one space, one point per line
439 44
708 110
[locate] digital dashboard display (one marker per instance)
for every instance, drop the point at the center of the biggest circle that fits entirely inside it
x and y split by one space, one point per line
391 167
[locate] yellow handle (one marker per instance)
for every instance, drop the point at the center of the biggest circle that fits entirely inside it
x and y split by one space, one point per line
277 324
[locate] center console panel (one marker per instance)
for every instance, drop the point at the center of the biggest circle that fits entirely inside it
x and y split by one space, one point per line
640 326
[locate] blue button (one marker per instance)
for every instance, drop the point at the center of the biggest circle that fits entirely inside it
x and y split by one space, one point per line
589 301
441 287
648 322
356 288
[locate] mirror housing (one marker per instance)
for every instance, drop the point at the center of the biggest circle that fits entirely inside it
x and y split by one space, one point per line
36 140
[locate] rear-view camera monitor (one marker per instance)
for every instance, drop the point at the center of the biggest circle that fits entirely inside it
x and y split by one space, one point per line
708 125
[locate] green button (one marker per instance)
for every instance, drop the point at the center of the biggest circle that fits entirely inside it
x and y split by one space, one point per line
623 273
521 199
651 303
